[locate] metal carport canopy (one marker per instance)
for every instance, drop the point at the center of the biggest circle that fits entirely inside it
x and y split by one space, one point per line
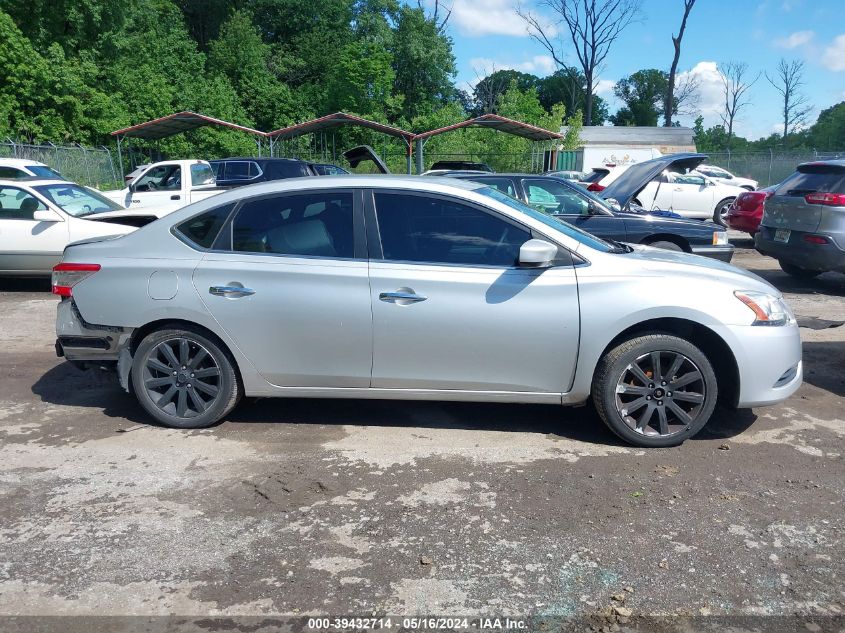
338 119
173 124
490 121
176 124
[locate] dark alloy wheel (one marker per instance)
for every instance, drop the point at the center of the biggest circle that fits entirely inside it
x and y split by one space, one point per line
655 390
184 379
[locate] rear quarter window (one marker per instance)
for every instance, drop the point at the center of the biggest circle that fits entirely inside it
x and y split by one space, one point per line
201 230
812 179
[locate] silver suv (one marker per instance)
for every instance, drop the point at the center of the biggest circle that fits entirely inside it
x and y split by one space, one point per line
803 224
418 288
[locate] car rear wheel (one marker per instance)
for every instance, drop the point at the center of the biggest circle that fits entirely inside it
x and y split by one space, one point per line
797 271
720 215
666 245
655 390
183 379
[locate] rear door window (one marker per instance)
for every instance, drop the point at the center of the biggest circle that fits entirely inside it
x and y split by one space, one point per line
812 179
319 224
505 185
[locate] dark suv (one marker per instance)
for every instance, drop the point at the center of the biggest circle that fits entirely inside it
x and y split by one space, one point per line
803 223
236 172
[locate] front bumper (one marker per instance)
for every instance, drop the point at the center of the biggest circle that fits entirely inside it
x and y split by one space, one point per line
798 252
722 252
769 363
79 340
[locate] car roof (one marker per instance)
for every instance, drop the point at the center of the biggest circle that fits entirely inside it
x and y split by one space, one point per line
257 159
20 162
35 180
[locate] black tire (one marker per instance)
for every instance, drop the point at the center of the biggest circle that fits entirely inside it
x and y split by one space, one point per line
796 271
197 377
666 245
613 394
721 211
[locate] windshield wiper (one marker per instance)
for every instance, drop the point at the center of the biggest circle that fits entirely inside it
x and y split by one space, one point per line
618 247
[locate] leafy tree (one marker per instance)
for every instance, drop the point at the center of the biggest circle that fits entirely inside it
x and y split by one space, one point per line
828 132
489 90
643 94
568 86
423 63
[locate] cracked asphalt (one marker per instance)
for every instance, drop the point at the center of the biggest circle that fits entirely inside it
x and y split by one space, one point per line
359 507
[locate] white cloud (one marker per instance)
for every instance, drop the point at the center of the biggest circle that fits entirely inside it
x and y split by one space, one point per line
475 18
710 88
605 87
541 65
834 55
794 40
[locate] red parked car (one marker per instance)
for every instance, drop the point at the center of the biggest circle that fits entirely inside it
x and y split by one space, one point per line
746 211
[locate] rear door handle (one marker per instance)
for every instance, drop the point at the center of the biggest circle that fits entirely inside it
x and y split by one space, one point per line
232 292
176 196
401 297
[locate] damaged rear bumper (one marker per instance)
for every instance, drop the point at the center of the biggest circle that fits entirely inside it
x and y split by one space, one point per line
88 344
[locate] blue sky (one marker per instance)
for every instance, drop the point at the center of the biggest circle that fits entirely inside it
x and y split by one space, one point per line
489 35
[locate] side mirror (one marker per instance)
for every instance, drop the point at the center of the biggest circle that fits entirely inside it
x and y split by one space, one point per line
45 215
131 187
537 254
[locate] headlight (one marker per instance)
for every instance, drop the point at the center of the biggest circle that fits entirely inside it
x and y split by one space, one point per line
720 238
768 309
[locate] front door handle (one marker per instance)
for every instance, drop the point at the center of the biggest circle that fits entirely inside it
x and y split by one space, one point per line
401 297
175 196
232 292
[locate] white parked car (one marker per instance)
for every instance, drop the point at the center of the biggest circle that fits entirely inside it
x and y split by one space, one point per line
168 185
599 178
16 168
726 178
690 195
38 218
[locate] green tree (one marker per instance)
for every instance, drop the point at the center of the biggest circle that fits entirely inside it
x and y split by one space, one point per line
828 132
490 89
568 86
423 63
642 93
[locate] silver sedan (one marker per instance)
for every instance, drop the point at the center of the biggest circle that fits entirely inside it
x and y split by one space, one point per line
418 288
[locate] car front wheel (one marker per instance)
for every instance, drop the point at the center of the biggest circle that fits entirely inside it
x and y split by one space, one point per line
184 379
655 390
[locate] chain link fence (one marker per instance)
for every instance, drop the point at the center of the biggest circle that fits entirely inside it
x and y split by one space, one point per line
767 168
92 166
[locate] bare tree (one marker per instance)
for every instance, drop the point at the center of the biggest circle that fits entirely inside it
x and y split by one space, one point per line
436 17
669 104
788 81
735 87
686 94
489 86
592 25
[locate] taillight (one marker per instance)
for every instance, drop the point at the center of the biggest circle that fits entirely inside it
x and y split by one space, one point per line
66 276
594 186
833 199
815 239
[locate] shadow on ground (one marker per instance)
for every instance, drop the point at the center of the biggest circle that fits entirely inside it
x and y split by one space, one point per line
68 386
25 284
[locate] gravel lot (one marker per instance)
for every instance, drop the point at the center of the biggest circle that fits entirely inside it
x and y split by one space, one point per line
344 507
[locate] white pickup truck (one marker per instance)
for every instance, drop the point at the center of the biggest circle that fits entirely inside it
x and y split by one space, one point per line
167 186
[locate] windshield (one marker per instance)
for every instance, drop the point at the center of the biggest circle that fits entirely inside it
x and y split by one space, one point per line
42 171
76 200
549 220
